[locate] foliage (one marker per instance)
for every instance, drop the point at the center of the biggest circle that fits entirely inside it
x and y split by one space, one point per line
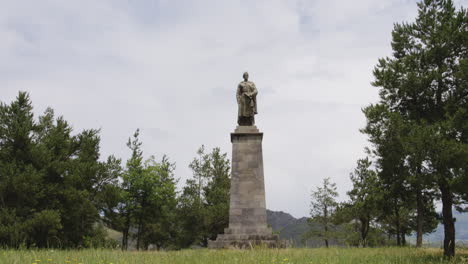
322 209
49 179
100 239
360 213
159 204
54 191
419 127
204 203
146 202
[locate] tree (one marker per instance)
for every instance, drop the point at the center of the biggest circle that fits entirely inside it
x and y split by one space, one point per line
386 131
355 229
322 208
216 192
364 196
425 83
20 180
204 203
158 204
400 149
190 215
147 200
364 199
108 193
50 180
420 179
130 191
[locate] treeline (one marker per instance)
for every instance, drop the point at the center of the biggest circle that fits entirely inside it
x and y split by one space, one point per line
418 133
56 192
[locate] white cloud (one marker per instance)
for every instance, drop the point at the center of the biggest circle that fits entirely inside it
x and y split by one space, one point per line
171 69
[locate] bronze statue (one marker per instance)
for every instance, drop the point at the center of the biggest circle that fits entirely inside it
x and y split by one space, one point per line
247 101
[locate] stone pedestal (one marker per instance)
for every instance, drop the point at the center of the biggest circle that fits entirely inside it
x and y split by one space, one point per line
247 211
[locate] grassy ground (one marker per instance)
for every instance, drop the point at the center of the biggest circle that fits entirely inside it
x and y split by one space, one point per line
257 256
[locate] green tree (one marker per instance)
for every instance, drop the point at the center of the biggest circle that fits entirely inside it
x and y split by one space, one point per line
130 191
20 180
108 193
216 192
204 202
425 83
160 203
420 179
147 200
400 149
190 215
50 180
386 131
322 209
364 199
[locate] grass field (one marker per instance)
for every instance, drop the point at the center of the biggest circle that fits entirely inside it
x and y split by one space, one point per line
257 256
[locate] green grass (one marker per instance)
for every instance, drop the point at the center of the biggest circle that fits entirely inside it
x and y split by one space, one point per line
257 256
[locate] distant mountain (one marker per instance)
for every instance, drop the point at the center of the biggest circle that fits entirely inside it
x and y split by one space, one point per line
461 228
292 229
287 226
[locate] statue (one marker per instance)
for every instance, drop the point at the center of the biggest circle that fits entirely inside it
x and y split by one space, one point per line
247 206
247 102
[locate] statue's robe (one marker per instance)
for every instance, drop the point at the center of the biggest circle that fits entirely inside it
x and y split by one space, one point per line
247 106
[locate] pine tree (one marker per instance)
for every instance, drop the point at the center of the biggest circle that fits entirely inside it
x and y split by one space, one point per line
130 190
50 180
159 207
425 83
322 209
364 197
204 203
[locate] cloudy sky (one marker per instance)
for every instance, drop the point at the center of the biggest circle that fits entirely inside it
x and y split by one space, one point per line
171 68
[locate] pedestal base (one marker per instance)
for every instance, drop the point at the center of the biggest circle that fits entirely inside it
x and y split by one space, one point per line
247 210
246 241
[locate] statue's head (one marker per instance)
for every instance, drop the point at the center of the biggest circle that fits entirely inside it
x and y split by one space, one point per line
246 76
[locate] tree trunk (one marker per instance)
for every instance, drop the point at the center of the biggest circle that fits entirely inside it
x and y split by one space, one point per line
325 214
397 223
365 230
419 217
125 239
449 223
139 235
326 235
125 232
403 237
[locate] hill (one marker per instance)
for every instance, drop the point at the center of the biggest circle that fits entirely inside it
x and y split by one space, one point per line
291 228
461 227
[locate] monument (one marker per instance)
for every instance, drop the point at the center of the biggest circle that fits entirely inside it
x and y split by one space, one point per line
247 209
